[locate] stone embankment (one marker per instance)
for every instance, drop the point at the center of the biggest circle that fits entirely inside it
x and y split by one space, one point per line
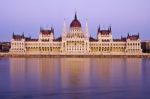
143 55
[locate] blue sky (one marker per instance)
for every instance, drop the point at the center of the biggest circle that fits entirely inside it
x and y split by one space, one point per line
27 16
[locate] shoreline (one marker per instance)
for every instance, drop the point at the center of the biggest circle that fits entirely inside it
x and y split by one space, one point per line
143 55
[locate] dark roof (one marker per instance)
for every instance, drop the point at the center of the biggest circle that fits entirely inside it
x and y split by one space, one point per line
117 40
30 39
123 39
91 39
58 39
75 22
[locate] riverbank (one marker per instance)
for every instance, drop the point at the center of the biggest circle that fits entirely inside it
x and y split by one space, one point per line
143 55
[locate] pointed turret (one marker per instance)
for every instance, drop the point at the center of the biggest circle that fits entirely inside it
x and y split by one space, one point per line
13 35
121 36
128 34
86 28
52 29
64 26
23 35
99 28
110 28
41 28
64 29
138 35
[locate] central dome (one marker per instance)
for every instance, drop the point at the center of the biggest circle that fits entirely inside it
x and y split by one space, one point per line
75 22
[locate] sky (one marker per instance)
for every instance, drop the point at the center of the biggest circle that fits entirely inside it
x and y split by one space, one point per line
125 16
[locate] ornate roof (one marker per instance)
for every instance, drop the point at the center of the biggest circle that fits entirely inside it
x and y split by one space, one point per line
133 37
104 32
46 31
75 22
18 37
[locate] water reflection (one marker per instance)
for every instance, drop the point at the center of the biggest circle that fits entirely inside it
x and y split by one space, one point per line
75 72
80 77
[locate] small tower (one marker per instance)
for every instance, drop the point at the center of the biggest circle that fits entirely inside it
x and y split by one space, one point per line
86 29
52 29
64 29
13 35
98 33
52 34
110 28
23 35
99 29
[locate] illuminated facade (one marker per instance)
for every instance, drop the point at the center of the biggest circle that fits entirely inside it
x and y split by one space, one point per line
75 42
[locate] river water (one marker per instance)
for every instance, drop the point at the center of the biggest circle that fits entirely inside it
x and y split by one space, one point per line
74 78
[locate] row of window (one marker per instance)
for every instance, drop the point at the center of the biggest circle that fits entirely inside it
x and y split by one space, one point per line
132 44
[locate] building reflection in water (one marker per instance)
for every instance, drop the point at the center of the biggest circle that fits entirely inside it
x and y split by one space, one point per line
24 73
64 75
34 73
101 73
75 72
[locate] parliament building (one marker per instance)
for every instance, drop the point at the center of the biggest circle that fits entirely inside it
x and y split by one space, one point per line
75 41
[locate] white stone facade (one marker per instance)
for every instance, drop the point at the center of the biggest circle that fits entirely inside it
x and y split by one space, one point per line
75 42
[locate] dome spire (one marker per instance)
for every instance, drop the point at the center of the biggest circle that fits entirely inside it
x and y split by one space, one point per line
75 17
75 22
